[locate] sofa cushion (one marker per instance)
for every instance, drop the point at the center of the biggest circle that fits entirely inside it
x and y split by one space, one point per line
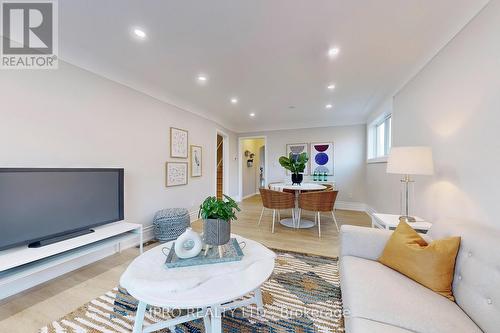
477 272
430 264
361 325
373 291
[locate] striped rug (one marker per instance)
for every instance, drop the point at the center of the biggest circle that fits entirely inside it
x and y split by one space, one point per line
302 296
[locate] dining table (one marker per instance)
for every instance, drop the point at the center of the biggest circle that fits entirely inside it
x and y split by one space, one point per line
297 188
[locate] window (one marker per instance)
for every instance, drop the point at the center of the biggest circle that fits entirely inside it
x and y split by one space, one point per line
379 139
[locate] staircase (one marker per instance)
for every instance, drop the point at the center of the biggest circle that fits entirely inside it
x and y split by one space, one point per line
220 166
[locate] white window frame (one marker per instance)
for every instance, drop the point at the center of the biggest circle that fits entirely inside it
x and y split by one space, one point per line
372 139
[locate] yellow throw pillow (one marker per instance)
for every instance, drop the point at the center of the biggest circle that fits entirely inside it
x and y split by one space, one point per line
432 265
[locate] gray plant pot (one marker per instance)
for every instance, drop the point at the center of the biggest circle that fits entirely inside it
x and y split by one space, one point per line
216 232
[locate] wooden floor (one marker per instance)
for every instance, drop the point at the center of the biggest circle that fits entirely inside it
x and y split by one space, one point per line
29 311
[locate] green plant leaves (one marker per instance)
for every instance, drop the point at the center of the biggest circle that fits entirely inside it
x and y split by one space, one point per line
294 163
213 208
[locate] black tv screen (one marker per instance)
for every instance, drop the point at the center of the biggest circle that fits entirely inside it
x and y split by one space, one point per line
39 204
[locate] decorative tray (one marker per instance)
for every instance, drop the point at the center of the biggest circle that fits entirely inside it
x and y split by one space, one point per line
231 252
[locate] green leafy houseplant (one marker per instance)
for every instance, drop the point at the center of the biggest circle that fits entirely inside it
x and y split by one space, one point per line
219 209
294 163
217 215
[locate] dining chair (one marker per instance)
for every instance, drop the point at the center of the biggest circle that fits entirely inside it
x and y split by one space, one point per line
318 202
276 200
328 187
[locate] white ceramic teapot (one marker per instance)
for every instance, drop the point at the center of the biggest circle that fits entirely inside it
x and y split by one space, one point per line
188 245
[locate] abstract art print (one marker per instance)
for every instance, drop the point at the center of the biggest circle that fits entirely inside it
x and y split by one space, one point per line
296 149
322 158
196 161
178 143
177 173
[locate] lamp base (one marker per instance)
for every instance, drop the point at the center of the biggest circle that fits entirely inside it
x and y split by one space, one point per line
407 219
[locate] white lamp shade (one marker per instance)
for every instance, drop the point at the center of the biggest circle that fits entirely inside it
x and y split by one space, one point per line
411 161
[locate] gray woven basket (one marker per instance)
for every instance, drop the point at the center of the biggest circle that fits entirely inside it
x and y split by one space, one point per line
168 224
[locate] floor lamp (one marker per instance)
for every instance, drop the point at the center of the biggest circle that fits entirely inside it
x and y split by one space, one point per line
408 161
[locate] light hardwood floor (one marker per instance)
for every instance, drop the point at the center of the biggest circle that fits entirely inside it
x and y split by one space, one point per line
29 311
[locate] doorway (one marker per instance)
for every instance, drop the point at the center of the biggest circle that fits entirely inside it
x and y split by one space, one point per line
252 159
221 164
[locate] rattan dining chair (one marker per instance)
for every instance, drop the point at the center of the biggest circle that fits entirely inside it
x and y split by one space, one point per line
276 200
318 202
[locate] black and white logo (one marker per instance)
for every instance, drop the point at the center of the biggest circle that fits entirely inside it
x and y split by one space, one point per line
29 34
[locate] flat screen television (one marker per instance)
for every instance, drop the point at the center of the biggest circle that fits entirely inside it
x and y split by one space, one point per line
42 206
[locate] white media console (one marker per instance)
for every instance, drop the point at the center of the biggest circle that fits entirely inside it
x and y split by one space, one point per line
22 267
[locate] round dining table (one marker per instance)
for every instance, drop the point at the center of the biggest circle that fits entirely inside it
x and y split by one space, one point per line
289 222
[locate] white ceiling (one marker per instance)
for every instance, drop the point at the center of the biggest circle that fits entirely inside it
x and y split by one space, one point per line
271 54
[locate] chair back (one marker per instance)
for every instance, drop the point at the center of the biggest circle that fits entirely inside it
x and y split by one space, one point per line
277 200
328 187
323 201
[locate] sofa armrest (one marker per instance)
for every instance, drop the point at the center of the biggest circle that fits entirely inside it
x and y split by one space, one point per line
363 242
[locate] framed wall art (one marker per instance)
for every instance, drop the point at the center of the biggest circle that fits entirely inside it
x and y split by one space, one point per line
178 143
322 158
296 149
177 173
196 161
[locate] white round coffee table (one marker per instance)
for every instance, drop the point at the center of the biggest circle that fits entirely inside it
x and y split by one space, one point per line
289 222
211 288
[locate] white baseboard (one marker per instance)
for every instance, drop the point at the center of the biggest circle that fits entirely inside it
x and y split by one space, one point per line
349 205
249 195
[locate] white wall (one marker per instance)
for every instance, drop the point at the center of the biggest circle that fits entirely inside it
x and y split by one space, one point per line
73 118
452 105
349 154
250 175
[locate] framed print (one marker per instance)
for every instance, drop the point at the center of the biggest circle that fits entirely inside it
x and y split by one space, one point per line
178 143
296 149
177 173
196 161
322 158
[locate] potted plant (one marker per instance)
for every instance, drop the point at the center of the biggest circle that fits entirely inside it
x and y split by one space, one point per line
296 164
217 215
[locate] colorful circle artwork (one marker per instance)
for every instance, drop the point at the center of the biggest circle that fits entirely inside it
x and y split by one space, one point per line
321 148
297 149
321 158
322 169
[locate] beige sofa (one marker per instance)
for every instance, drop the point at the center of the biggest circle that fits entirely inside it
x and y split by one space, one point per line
378 299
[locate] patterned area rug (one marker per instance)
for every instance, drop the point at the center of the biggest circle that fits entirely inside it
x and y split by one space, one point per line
302 296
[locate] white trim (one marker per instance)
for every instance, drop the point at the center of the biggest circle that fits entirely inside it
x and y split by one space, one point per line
193 216
381 159
240 163
350 205
249 195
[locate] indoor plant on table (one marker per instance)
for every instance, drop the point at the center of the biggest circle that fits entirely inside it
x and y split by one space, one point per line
217 215
296 164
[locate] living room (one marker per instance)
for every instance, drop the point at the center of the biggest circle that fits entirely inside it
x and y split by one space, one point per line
333 162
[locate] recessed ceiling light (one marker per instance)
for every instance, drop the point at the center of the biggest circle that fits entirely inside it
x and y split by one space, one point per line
234 100
333 52
331 87
202 78
139 33
252 114
328 106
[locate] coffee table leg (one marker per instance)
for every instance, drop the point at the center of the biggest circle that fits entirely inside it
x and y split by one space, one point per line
216 319
207 323
139 317
258 299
